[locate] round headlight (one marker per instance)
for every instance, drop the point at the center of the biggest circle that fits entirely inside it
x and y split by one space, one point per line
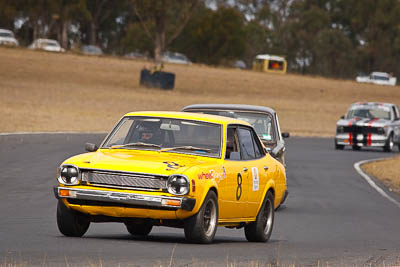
178 184
69 175
381 130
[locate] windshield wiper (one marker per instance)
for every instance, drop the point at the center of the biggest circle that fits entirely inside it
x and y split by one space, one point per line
191 148
135 144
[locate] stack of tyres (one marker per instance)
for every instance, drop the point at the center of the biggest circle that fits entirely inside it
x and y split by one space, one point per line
158 79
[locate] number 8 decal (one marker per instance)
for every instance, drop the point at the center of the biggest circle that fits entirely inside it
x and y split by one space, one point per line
239 187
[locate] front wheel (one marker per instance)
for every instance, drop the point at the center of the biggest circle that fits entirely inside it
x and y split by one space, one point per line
389 144
261 229
339 147
70 222
201 227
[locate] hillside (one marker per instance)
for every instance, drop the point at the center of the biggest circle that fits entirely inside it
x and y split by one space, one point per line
43 91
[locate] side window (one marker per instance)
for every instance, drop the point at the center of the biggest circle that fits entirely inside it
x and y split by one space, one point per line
231 142
396 116
246 144
258 148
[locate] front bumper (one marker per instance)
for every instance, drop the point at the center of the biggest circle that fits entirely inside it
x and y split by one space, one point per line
359 139
124 198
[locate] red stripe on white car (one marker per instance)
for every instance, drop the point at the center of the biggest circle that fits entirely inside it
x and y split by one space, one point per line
369 138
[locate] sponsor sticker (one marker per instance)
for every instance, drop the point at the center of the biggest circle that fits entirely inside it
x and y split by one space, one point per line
218 176
256 180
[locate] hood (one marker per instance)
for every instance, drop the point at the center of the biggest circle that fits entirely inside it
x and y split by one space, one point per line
363 122
153 162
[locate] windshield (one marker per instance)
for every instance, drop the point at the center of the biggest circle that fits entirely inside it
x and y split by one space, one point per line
261 122
166 135
369 113
6 34
382 78
51 43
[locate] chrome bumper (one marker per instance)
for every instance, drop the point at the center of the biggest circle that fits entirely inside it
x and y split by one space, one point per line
133 199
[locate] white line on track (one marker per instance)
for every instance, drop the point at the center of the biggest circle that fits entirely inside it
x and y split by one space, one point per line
357 166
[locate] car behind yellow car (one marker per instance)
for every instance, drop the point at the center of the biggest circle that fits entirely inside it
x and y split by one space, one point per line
186 170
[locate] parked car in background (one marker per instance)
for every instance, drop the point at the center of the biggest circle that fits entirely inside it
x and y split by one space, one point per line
270 63
263 119
136 55
7 38
174 57
176 169
369 124
380 78
47 45
239 64
91 50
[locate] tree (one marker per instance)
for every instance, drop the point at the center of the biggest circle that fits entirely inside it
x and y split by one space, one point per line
159 19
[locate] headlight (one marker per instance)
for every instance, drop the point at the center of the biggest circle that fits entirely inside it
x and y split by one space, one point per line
340 129
68 175
381 130
178 184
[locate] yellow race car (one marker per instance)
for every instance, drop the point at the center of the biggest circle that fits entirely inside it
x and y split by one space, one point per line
186 170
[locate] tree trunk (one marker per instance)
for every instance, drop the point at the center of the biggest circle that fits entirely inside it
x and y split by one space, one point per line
92 33
64 34
159 46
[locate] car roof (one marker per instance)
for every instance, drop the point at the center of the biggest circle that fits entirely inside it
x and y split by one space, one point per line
4 30
46 40
231 107
270 57
189 116
372 104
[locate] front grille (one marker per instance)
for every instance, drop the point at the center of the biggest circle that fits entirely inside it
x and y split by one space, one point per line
125 180
360 129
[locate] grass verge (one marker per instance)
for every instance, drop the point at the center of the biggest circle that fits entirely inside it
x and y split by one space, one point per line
388 171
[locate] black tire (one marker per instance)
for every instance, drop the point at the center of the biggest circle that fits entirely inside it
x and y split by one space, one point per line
139 229
356 148
389 144
261 229
201 227
339 147
71 222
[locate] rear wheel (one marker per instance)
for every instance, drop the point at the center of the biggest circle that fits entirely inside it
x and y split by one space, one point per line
389 144
201 228
71 222
139 229
261 229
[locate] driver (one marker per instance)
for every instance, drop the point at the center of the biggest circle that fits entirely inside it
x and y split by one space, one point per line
149 132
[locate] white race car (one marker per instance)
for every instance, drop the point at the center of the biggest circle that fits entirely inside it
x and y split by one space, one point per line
369 125
7 38
47 45
381 78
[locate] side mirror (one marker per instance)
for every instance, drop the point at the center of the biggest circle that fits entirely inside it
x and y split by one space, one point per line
234 156
91 147
268 150
286 135
342 117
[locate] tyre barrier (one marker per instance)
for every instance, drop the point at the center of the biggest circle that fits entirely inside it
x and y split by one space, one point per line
158 79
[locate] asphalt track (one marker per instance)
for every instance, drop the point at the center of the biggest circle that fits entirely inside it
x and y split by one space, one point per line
332 215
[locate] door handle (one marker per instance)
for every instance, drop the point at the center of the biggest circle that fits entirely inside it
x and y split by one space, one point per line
265 168
245 169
